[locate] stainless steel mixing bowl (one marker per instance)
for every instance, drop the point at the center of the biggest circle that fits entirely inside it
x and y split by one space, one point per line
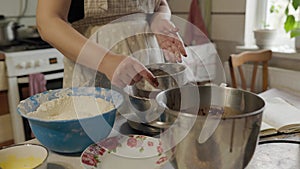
141 97
169 75
146 109
232 140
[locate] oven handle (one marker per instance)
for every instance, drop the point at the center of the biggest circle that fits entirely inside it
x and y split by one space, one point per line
47 77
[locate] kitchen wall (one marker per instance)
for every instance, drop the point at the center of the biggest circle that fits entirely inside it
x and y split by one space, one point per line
180 8
12 9
227 23
228 20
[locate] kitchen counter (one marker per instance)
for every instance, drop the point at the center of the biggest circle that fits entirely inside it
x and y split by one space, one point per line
60 161
262 158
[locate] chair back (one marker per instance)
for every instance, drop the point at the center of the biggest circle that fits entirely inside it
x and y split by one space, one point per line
255 57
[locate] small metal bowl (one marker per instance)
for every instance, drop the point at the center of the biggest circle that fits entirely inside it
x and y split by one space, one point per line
146 109
169 75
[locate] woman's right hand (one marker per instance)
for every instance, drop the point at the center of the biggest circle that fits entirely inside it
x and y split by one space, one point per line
124 70
167 37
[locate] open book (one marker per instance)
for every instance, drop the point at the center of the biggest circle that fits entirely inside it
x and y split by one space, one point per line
279 116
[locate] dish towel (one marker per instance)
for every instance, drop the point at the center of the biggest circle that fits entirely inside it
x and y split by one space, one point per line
193 36
37 83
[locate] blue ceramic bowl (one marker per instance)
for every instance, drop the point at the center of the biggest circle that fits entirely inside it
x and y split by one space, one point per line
71 136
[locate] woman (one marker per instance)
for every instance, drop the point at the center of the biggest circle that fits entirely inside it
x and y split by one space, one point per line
87 17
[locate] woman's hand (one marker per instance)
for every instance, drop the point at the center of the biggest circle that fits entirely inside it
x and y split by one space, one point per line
168 38
124 70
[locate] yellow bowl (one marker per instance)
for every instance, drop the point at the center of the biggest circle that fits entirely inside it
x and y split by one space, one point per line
24 156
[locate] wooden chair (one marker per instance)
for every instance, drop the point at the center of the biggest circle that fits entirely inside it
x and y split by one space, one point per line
255 57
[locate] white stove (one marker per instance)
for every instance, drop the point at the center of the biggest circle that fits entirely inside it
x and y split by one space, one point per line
34 61
19 65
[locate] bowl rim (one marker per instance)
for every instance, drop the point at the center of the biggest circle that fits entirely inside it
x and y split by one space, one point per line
174 112
68 120
136 157
30 144
122 156
171 74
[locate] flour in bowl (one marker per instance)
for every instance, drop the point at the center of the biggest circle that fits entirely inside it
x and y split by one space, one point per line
71 107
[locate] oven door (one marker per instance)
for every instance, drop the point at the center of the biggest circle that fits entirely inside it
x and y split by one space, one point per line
54 81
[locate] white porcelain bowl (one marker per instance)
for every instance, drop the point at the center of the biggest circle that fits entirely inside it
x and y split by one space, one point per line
266 38
24 156
125 152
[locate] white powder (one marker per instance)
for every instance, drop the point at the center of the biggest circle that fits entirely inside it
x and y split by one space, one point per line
71 107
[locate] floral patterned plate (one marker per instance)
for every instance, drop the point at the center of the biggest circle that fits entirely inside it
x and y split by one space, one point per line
125 152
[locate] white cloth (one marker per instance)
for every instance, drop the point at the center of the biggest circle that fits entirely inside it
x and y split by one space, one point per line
202 60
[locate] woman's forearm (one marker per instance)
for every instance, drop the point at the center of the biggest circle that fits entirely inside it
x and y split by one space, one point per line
61 36
54 29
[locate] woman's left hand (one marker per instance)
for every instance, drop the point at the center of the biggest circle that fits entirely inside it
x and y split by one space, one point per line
168 38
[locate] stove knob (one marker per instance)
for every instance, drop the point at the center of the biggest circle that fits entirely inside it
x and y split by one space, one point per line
39 63
21 65
30 64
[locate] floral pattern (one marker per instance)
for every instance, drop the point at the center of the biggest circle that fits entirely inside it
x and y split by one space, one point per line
136 141
132 142
150 143
89 159
93 155
161 160
160 150
110 144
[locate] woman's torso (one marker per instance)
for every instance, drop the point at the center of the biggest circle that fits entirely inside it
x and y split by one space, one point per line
93 14
88 13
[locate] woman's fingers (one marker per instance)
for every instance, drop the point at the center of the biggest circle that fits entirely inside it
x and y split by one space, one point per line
145 73
166 33
130 71
176 40
172 53
136 79
174 45
180 46
134 76
149 77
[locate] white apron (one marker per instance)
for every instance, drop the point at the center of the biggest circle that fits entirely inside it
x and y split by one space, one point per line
123 36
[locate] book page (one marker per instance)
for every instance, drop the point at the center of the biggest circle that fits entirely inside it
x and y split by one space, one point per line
279 113
266 129
289 97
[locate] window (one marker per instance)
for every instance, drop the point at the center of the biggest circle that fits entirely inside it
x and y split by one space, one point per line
270 14
275 16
